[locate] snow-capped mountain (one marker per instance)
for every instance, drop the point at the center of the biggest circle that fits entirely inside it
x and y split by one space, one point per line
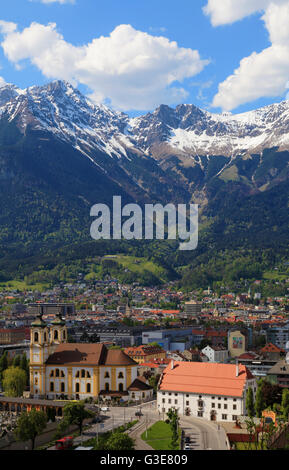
186 130
157 147
62 110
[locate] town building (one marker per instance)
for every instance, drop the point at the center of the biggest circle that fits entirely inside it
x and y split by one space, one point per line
76 370
63 309
216 353
279 373
237 343
278 336
12 335
216 392
193 308
142 354
171 339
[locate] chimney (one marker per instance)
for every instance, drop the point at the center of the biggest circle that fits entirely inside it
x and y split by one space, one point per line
172 364
237 368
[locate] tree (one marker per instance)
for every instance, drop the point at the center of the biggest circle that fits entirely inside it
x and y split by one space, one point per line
74 413
153 381
30 425
259 403
173 421
272 394
14 381
250 403
119 441
285 403
16 360
3 363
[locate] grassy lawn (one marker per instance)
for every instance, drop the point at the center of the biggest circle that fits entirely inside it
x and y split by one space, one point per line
138 265
22 286
159 436
275 276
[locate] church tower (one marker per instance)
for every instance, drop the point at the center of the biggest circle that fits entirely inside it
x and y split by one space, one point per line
39 352
58 332
43 343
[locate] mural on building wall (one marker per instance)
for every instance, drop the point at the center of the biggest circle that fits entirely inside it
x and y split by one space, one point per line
237 342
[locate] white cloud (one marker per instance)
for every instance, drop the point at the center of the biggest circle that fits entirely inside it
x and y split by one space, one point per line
228 11
263 74
7 27
132 69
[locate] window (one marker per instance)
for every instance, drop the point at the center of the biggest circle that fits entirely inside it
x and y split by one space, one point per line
200 414
224 417
163 400
45 337
77 374
36 337
120 387
88 388
77 387
55 334
176 402
62 373
200 403
57 373
234 417
62 387
106 386
234 407
120 375
176 394
51 386
106 375
219 406
213 405
88 375
82 373
51 373
170 401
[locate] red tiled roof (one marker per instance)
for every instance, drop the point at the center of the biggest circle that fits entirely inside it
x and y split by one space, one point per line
88 354
270 347
205 378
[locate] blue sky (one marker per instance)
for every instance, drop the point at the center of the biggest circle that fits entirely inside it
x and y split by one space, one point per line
194 62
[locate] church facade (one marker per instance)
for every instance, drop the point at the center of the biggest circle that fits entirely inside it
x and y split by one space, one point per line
60 369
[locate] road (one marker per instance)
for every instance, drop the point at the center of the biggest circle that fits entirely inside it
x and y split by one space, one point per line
205 435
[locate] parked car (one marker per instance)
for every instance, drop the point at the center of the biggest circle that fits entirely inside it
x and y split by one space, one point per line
138 413
188 447
104 408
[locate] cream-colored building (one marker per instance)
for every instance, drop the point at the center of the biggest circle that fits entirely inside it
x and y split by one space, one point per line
236 343
76 370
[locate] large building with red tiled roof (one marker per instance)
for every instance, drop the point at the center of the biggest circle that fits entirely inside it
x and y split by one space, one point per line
76 370
216 392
